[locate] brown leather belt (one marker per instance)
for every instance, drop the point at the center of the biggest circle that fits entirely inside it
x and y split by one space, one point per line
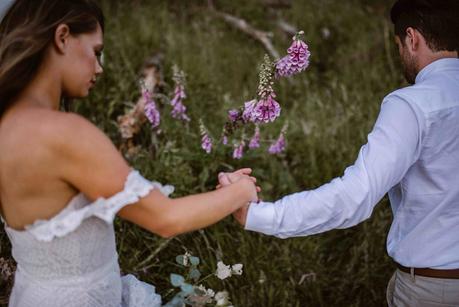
426 272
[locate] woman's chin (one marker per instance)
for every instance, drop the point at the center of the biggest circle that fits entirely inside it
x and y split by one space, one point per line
85 93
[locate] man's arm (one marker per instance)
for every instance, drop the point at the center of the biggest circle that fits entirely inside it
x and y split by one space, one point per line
393 146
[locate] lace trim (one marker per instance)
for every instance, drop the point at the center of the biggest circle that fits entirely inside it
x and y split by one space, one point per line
137 293
136 187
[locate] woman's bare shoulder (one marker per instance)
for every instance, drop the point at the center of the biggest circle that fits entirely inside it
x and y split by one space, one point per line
81 152
43 124
55 135
53 128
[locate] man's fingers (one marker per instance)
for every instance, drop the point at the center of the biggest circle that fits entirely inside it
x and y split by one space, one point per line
244 171
223 179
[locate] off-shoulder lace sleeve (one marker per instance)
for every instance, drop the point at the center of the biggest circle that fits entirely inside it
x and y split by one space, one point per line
135 187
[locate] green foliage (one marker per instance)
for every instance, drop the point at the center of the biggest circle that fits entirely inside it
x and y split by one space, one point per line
331 108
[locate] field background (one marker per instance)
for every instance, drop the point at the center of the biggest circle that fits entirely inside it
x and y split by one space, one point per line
331 108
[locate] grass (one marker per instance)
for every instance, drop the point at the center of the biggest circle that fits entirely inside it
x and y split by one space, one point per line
331 108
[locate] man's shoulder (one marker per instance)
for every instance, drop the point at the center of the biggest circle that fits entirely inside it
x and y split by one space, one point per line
425 97
410 91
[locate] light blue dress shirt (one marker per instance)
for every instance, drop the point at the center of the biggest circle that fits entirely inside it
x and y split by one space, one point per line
412 153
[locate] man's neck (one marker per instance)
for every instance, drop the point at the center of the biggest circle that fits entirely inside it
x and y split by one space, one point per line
434 56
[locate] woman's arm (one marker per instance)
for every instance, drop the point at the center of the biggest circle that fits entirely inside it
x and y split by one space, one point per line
89 161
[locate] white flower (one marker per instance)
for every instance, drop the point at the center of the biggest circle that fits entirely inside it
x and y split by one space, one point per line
222 298
186 258
262 277
223 271
208 292
237 269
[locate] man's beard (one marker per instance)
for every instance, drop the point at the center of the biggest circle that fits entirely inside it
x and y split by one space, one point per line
409 68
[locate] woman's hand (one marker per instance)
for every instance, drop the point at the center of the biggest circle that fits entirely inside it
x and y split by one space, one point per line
225 179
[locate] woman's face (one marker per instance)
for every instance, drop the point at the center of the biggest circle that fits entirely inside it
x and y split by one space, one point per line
82 63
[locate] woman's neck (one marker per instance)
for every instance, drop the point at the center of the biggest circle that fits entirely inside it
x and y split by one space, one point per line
43 91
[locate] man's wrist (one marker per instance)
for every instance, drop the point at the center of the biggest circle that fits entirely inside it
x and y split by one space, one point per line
260 218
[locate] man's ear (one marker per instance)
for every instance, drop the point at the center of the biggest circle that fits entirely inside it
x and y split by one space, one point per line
412 39
61 38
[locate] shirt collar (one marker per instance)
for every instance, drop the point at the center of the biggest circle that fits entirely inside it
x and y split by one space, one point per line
438 65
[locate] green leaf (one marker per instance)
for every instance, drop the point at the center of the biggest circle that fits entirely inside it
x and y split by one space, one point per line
180 259
177 280
194 260
195 274
177 301
187 288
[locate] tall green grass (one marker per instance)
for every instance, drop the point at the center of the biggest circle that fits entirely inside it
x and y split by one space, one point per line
331 108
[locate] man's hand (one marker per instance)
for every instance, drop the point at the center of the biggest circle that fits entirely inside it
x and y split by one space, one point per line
241 214
225 179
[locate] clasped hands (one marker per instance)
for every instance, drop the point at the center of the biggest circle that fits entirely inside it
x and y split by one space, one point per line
225 179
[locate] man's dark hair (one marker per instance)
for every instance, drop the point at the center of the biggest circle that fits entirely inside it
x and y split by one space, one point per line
436 20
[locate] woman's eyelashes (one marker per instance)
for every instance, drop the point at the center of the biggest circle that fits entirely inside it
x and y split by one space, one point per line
100 57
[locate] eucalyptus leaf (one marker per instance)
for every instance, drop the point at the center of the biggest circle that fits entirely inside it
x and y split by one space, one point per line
177 280
195 274
187 288
180 259
177 301
194 260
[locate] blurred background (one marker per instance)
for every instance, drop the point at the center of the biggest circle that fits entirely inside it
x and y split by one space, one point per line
331 107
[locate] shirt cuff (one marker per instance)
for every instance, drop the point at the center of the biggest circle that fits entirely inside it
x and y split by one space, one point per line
260 218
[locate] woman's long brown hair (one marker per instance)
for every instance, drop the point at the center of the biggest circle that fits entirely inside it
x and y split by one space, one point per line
28 29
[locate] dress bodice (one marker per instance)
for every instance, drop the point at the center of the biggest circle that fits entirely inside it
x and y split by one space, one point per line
80 252
71 259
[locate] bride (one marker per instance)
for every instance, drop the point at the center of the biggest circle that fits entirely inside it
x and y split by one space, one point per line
62 181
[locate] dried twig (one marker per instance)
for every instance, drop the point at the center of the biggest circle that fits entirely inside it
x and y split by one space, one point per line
263 37
286 27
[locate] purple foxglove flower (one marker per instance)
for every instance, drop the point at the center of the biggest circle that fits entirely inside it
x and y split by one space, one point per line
225 140
150 110
206 143
266 110
278 146
255 141
239 150
233 115
178 109
297 59
179 94
248 109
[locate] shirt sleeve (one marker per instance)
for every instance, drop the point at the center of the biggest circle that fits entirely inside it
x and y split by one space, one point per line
392 147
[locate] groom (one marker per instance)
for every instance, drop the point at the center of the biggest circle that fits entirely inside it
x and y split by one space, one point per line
412 154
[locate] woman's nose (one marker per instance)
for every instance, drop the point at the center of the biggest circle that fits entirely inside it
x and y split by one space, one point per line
99 68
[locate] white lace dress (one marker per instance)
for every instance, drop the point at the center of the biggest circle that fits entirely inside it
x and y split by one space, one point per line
71 259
